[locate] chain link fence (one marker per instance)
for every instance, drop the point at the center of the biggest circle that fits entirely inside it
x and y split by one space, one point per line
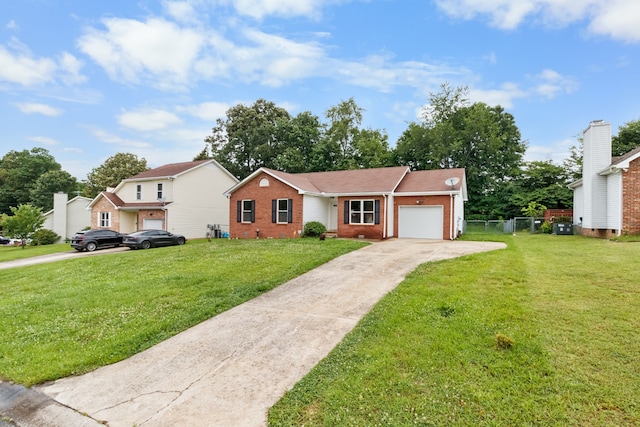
515 225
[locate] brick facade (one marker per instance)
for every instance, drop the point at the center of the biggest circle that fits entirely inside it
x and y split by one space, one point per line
444 201
366 231
263 226
550 214
631 198
103 205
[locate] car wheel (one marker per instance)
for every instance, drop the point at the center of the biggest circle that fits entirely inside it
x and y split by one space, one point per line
91 246
181 241
145 245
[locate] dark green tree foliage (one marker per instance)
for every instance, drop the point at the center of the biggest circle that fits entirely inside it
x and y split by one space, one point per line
627 139
544 183
248 138
54 181
115 169
299 138
19 173
484 140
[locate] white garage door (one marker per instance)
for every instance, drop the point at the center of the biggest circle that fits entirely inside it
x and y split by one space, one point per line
152 224
420 222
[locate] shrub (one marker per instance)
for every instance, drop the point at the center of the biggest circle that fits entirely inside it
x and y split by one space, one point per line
43 237
546 227
314 229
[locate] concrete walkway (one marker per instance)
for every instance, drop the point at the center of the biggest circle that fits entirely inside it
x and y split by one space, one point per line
228 370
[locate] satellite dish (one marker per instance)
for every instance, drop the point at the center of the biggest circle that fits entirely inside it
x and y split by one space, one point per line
452 182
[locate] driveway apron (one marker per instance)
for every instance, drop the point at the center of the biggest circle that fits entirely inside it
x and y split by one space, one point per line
228 370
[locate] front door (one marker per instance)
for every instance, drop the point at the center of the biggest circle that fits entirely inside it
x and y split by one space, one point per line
333 214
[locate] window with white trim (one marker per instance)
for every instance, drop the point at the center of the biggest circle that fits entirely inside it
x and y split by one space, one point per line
247 214
282 211
362 212
139 192
104 219
160 191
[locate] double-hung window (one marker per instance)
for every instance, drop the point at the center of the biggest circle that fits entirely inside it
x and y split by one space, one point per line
139 192
246 211
281 211
160 191
362 211
104 219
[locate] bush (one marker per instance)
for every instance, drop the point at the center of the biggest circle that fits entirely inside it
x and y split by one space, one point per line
44 237
546 227
314 229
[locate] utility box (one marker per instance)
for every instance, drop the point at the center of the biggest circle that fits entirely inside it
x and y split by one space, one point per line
563 229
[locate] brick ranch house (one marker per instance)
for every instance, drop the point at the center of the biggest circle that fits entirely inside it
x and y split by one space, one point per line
606 201
182 198
366 203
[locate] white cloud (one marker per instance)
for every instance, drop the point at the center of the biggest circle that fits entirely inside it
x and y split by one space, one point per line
617 19
550 83
182 11
31 108
556 151
24 69
43 140
207 110
70 69
126 144
12 25
155 49
504 96
148 120
258 9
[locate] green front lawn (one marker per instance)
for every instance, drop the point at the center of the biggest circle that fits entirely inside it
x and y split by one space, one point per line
73 316
428 355
10 253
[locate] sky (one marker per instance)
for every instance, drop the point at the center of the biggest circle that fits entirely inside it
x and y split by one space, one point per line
89 79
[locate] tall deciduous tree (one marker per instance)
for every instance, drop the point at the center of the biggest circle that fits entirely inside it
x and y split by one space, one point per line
247 138
482 139
298 139
545 183
51 182
19 172
627 139
343 130
115 169
24 221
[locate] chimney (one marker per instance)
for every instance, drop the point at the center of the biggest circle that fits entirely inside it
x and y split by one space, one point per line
60 214
596 157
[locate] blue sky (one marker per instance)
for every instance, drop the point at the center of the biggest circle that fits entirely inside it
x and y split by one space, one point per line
89 79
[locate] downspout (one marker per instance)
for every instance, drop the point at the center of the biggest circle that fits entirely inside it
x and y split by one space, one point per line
451 196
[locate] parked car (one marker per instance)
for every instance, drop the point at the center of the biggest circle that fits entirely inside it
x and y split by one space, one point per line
4 241
91 240
146 239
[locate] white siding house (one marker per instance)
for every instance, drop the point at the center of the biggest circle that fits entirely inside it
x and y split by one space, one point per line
67 216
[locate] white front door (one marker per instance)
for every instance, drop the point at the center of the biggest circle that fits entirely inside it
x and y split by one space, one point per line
333 214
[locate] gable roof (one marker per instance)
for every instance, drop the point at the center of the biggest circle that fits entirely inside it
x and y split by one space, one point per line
366 181
626 158
118 203
170 170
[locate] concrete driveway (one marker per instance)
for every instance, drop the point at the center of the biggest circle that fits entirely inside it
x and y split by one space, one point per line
228 370
72 253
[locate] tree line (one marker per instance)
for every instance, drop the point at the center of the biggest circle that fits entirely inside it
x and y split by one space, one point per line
451 133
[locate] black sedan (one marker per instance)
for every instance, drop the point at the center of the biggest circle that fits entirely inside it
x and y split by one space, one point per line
146 239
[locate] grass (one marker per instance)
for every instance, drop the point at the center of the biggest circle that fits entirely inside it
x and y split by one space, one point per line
72 316
10 253
545 332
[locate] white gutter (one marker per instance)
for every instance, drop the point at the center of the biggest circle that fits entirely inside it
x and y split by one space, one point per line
451 196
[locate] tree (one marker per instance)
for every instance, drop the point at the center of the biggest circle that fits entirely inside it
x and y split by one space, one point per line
25 221
342 131
544 183
298 138
49 183
484 140
627 139
19 171
115 169
371 149
248 138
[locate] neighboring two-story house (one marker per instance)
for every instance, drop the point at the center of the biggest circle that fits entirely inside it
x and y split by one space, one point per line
606 201
181 198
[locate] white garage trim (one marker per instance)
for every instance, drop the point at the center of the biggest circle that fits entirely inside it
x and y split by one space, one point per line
420 222
151 224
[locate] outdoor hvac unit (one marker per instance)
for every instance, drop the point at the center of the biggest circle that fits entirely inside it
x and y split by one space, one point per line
563 229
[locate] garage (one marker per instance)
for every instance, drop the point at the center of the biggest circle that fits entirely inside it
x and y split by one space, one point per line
420 222
152 224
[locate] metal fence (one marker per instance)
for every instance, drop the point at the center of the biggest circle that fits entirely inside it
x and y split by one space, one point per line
515 225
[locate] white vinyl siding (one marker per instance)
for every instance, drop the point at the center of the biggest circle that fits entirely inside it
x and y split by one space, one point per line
614 201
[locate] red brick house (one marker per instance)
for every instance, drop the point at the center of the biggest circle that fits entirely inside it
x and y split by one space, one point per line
606 201
366 203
